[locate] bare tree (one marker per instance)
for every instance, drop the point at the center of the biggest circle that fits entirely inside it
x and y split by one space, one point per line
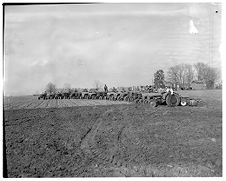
50 88
207 74
189 74
211 75
184 74
181 75
200 69
173 75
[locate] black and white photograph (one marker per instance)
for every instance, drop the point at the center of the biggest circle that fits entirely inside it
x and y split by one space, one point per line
112 90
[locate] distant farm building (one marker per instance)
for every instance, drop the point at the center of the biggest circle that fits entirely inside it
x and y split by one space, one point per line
198 85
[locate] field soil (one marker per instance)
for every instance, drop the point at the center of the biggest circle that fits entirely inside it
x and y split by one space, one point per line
32 102
116 140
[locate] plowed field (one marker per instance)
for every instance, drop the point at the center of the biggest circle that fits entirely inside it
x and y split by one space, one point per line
31 102
114 140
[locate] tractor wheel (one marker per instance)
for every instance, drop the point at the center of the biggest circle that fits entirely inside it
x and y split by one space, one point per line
153 103
172 100
183 102
145 101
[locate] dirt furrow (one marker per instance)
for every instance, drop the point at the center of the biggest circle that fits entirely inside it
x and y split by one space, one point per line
69 103
62 103
24 105
51 103
38 103
42 104
56 103
75 102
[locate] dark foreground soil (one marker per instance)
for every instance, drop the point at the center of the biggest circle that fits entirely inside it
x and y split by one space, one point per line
117 140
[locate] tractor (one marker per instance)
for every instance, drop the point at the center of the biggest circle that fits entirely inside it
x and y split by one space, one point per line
122 96
85 94
76 95
50 95
112 96
92 94
59 95
42 96
101 95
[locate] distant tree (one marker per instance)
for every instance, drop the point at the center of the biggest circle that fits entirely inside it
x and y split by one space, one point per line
173 76
184 74
207 74
159 79
50 88
181 75
200 69
211 76
189 74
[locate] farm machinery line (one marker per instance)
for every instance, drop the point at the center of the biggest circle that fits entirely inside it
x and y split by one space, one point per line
153 99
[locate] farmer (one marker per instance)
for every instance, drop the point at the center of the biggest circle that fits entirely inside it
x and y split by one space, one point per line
169 90
105 88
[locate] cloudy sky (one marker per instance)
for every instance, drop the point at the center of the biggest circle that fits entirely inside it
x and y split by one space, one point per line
116 44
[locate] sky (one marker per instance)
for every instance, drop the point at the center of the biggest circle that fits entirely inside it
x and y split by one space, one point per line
115 44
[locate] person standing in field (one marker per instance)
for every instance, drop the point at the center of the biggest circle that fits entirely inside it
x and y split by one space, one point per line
105 88
169 90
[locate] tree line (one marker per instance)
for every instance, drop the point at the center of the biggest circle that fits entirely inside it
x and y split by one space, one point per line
183 75
180 75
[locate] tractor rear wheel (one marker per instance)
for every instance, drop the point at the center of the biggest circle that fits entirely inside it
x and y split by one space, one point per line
172 100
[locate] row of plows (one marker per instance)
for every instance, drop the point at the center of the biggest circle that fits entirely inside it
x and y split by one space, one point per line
166 97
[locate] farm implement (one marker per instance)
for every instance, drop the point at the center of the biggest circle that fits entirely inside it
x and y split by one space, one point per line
153 99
